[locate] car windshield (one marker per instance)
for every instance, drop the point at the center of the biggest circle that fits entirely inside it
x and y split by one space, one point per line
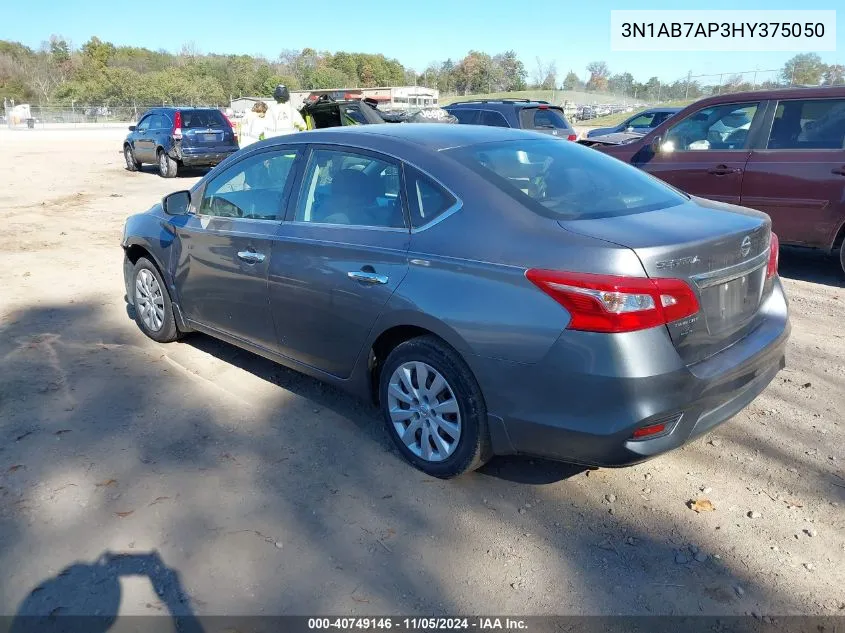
202 119
567 181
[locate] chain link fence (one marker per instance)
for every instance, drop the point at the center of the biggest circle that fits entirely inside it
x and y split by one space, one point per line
29 116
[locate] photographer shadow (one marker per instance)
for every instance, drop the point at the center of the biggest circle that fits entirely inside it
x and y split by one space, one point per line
86 598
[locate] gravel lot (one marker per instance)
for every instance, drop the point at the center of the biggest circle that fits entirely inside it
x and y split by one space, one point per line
263 491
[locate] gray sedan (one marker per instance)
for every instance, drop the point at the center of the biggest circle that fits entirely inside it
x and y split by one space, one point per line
493 291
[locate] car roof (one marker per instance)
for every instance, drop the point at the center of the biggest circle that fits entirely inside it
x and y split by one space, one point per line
830 92
433 136
500 103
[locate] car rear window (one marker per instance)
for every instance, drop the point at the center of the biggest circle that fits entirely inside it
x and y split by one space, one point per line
202 118
567 181
543 119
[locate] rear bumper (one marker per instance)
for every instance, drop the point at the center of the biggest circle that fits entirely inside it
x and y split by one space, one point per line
195 157
583 402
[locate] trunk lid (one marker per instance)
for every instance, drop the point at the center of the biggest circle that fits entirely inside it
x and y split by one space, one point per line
719 249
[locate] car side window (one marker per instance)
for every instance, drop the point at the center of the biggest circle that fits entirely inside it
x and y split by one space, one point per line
465 115
719 127
659 118
156 122
808 124
144 124
426 198
641 121
495 119
252 189
350 189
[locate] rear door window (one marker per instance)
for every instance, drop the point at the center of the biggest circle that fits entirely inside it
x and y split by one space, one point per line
465 115
808 124
428 200
495 119
543 119
202 119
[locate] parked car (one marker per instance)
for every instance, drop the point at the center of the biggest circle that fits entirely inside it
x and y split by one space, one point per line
538 116
778 151
327 112
642 122
494 291
177 137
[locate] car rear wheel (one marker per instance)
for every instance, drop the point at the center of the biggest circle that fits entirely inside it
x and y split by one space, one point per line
433 408
129 156
167 167
153 309
842 256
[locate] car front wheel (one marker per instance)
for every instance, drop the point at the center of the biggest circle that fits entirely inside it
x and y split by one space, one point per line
433 408
167 167
153 309
129 156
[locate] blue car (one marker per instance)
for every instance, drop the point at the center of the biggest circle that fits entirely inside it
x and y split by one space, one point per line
641 123
175 137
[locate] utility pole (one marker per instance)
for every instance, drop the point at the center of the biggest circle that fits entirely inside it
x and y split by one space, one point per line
689 78
659 88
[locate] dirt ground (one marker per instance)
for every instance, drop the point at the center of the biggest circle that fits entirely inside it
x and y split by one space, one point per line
228 484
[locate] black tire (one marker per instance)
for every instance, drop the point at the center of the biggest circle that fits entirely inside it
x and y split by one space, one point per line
842 256
473 447
129 157
168 331
167 167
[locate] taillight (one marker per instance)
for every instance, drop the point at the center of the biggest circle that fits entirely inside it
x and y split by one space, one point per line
572 137
608 303
231 125
774 256
176 132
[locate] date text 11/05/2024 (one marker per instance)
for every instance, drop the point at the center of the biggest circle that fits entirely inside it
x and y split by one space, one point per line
418 623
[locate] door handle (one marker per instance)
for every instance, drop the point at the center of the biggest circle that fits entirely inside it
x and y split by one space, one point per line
368 278
722 170
839 171
251 257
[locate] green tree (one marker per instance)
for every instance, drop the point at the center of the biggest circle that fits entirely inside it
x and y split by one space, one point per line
834 75
571 81
805 69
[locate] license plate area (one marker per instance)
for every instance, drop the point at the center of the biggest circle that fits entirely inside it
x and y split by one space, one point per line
209 138
730 303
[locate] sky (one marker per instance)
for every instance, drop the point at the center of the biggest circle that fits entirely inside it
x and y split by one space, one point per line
570 33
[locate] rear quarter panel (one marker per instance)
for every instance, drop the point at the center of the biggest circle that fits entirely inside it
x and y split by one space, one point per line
467 273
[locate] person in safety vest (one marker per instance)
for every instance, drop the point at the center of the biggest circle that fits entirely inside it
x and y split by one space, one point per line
282 117
252 125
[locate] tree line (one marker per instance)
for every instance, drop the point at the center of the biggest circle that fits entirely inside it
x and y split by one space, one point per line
98 72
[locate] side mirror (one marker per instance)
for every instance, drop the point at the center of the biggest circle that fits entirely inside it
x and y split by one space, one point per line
131 128
177 203
656 144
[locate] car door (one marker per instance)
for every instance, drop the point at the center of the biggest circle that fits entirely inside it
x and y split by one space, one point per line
225 247
141 140
705 153
340 256
797 175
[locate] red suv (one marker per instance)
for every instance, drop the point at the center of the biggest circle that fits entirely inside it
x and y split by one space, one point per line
779 151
